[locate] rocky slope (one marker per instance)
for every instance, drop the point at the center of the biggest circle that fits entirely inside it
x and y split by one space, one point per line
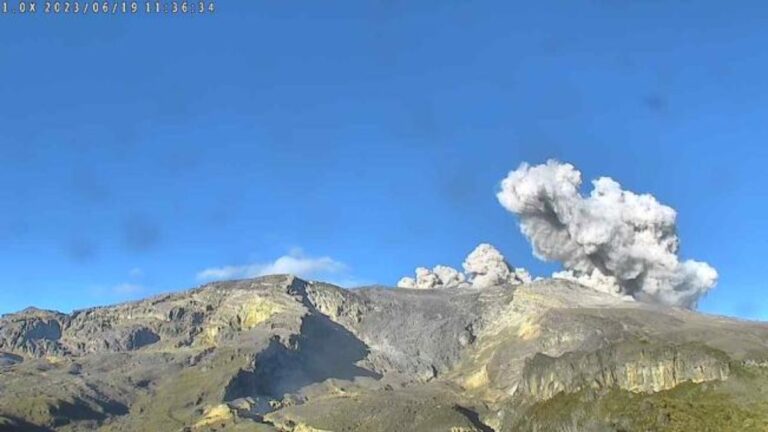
281 354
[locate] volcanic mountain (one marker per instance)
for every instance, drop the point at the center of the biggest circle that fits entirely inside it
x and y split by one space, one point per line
278 353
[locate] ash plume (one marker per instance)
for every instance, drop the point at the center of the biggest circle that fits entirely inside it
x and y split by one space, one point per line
484 267
487 267
612 240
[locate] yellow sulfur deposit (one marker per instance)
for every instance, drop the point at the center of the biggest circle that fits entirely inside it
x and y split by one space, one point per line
301 427
477 380
216 415
256 312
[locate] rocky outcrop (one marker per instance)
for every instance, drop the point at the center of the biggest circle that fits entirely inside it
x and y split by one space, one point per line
418 334
33 332
633 366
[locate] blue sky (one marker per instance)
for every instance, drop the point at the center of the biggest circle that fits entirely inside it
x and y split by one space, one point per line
365 138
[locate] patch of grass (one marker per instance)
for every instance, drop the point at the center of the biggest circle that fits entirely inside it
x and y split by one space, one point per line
181 400
702 407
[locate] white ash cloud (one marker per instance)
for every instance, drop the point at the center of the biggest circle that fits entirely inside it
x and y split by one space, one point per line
426 279
484 267
613 240
449 276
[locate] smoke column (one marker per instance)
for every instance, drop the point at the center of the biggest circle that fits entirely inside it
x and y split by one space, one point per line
613 240
484 267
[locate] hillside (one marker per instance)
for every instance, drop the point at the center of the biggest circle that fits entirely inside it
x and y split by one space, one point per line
281 354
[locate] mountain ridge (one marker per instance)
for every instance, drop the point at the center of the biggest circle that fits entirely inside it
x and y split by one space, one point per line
281 353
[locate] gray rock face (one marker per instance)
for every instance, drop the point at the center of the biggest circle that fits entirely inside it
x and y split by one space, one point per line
415 333
279 353
32 331
636 367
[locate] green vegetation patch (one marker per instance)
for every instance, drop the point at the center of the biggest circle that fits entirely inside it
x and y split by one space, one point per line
717 407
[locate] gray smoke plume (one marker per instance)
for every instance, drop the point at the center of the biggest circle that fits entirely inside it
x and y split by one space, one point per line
613 240
484 267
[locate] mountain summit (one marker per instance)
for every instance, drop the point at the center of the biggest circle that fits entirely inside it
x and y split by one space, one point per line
278 353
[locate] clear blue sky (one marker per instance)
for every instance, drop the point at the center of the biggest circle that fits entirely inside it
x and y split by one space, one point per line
137 151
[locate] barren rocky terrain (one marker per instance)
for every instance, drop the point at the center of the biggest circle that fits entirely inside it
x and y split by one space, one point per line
281 354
